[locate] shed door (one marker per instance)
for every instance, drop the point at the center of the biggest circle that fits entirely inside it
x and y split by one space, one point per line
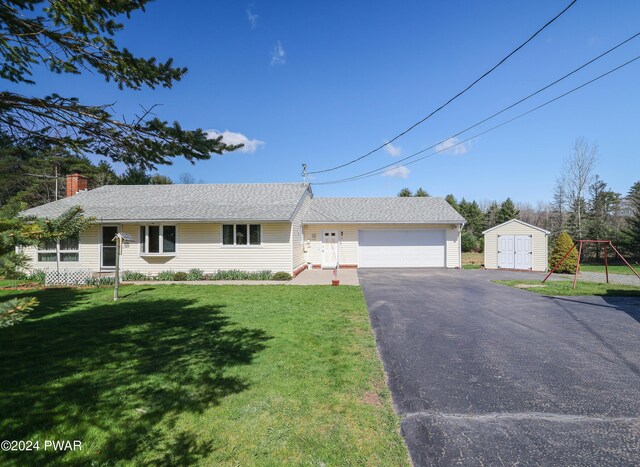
506 251
417 248
522 252
514 251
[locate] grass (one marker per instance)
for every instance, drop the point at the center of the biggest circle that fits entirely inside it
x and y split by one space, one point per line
9 282
559 288
472 260
208 375
616 269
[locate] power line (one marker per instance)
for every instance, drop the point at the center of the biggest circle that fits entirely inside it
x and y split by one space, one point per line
572 72
450 100
384 168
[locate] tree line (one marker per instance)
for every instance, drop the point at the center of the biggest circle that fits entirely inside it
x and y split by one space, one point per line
36 174
582 204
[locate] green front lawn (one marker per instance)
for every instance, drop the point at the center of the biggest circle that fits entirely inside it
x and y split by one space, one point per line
617 269
210 375
10 283
582 288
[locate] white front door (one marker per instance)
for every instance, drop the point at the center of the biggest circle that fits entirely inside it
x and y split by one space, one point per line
330 249
506 251
522 251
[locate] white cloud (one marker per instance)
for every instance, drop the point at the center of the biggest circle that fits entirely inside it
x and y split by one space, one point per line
400 172
278 55
393 151
252 17
453 146
230 137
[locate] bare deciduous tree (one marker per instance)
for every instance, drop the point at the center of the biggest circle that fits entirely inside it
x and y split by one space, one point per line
578 175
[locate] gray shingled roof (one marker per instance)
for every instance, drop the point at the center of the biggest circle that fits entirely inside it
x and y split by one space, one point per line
238 202
397 210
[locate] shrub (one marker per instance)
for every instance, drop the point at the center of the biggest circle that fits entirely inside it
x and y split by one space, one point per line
37 275
180 276
101 281
264 275
195 274
133 276
165 276
563 243
237 275
281 276
469 242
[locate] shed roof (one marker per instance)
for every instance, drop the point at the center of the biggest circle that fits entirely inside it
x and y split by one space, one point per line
199 202
397 210
546 232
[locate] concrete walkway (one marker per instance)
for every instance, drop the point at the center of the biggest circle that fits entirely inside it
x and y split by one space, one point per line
325 276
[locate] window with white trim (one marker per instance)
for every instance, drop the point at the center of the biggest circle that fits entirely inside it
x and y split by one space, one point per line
241 234
65 250
157 239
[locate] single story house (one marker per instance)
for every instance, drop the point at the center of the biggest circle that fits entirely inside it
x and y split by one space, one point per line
251 227
516 245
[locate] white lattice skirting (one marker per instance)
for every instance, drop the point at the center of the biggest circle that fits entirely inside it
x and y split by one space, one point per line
67 276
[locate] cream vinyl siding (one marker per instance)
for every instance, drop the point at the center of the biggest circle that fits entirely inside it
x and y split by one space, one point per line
539 245
199 245
89 251
348 240
297 234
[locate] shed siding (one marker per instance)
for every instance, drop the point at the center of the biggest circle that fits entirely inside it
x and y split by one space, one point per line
349 240
297 233
539 246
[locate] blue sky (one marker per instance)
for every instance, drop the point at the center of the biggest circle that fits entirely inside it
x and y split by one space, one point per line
324 82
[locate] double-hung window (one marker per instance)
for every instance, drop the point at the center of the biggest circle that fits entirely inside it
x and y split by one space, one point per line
241 234
157 239
64 250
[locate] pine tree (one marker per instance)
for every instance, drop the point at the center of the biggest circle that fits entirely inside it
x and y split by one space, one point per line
421 193
474 216
632 232
452 202
559 207
28 172
491 216
507 211
158 179
405 193
602 204
134 176
76 36
562 246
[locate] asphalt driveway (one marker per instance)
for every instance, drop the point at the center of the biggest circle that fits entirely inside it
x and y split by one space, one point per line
483 374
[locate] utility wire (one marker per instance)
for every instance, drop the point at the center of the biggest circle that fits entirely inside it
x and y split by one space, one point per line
450 100
384 168
575 70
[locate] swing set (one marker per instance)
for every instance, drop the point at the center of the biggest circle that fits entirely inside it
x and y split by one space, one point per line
605 243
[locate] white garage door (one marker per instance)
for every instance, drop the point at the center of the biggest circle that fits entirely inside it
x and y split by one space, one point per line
401 248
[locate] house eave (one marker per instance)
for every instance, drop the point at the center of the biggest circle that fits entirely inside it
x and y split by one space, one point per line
440 222
192 221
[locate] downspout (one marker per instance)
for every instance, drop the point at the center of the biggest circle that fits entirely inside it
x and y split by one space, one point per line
460 226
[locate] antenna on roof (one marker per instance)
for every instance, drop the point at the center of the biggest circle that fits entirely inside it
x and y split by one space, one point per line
304 173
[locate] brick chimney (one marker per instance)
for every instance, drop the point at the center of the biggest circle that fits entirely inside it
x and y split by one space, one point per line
75 184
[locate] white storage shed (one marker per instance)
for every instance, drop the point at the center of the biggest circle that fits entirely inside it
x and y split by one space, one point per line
516 245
